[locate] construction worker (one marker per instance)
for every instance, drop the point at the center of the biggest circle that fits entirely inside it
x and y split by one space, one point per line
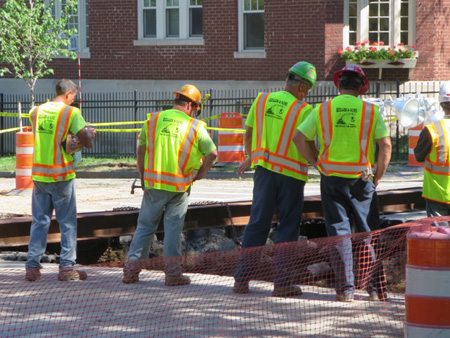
171 146
433 148
53 176
280 175
347 128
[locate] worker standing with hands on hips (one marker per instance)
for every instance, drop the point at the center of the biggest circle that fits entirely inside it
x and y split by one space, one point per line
53 176
433 148
347 129
171 145
280 176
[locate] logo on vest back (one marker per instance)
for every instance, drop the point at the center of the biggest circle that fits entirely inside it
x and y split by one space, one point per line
347 120
46 124
276 112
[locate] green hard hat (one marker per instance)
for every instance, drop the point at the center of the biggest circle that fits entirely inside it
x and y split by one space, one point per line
306 71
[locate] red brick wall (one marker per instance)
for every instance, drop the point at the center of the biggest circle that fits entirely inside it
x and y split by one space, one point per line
309 30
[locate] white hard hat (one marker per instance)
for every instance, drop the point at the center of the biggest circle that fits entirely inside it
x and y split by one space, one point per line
444 92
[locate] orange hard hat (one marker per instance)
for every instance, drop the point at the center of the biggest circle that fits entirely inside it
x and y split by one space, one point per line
191 92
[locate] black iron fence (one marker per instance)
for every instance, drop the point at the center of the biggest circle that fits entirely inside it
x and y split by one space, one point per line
134 107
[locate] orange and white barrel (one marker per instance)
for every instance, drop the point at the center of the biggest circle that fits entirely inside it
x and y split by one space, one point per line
428 283
413 137
24 160
231 143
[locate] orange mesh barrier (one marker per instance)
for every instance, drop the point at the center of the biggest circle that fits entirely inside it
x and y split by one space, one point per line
102 306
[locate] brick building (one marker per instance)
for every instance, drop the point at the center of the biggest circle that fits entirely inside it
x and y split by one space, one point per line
235 43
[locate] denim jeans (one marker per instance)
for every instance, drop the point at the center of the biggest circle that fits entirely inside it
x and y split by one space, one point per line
58 196
272 190
154 203
343 200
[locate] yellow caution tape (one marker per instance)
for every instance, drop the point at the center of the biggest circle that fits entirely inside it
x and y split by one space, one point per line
9 130
134 130
240 131
14 115
217 116
114 123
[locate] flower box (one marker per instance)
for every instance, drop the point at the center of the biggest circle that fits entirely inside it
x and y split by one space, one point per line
401 63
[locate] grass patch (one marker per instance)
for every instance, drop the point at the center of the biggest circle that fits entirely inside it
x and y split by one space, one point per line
7 163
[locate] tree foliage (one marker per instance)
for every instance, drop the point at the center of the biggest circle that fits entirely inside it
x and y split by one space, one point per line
30 37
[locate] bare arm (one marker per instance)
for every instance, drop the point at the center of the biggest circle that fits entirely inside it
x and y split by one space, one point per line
248 150
140 163
306 148
207 164
384 157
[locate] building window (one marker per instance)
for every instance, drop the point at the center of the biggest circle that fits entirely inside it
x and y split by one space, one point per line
170 21
78 20
149 18
390 21
195 18
251 29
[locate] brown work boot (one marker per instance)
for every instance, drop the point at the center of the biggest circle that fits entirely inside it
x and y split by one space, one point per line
347 298
381 296
130 274
33 274
240 287
177 280
287 291
70 274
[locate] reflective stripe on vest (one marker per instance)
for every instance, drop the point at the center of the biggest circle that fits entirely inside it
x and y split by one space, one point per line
440 164
59 169
278 159
180 181
327 132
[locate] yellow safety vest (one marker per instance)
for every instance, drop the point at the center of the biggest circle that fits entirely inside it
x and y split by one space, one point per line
172 157
436 178
50 162
348 159
282 156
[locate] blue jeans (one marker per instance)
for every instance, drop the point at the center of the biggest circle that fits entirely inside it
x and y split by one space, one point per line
58 196
154 203
271 190
343 200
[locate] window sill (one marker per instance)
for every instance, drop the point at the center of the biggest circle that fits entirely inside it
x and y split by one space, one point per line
250 55
170 42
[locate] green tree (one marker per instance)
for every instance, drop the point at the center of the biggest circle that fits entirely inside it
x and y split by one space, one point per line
31 36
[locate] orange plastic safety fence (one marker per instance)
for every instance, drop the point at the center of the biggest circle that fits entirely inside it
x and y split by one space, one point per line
103 306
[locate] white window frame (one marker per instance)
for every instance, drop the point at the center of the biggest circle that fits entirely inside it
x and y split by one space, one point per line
81 35
363 22
161 36
243 53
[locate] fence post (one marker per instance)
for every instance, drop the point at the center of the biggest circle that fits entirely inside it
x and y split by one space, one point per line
2 149
135 118
397 130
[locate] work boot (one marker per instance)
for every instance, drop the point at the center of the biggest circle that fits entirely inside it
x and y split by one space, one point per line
177 280
130 274
347 298
380 295
287 291
33 274
70 274
240 287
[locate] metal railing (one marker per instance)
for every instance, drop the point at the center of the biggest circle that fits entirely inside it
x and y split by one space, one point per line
134 106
